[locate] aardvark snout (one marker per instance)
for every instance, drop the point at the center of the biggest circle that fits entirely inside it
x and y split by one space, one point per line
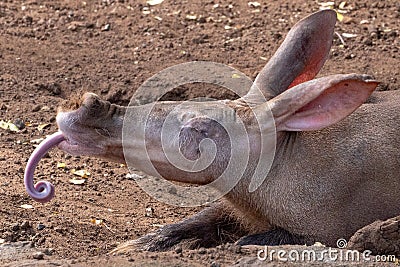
90 102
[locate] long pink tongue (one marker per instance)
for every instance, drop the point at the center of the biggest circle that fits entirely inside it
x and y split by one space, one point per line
43 191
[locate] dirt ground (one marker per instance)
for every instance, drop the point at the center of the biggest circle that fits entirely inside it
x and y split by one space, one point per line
50 50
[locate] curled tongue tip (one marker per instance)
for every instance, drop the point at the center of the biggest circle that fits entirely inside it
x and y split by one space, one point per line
43 191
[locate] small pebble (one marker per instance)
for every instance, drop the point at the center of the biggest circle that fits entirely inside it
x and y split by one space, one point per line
19 123
106 27
38 255
373 30
59 230
178 250
48 251
36 108
55 88
350 56
25 225
149 212
202 251
15 227
172 190
368 41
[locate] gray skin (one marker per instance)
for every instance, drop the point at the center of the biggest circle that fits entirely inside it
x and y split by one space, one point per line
336 164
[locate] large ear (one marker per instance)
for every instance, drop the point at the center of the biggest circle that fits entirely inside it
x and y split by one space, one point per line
319 103
299 58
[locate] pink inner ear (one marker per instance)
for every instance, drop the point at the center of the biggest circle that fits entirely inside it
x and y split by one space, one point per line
315 62
333 105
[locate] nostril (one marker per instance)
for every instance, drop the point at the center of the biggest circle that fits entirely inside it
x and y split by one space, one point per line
90 99
93 106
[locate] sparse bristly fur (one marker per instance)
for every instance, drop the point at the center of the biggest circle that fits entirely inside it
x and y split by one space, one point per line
336 165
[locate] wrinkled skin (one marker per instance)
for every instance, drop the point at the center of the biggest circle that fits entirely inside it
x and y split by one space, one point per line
336 162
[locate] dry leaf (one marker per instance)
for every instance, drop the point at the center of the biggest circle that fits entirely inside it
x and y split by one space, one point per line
264 58
36 141
61 165
191 17
339 16
81 173
176 13
26 206
342 5
327 4
96 222
349 35
42 126
132 176
253 4
77 181
12 127
236 76
154 2
8 126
